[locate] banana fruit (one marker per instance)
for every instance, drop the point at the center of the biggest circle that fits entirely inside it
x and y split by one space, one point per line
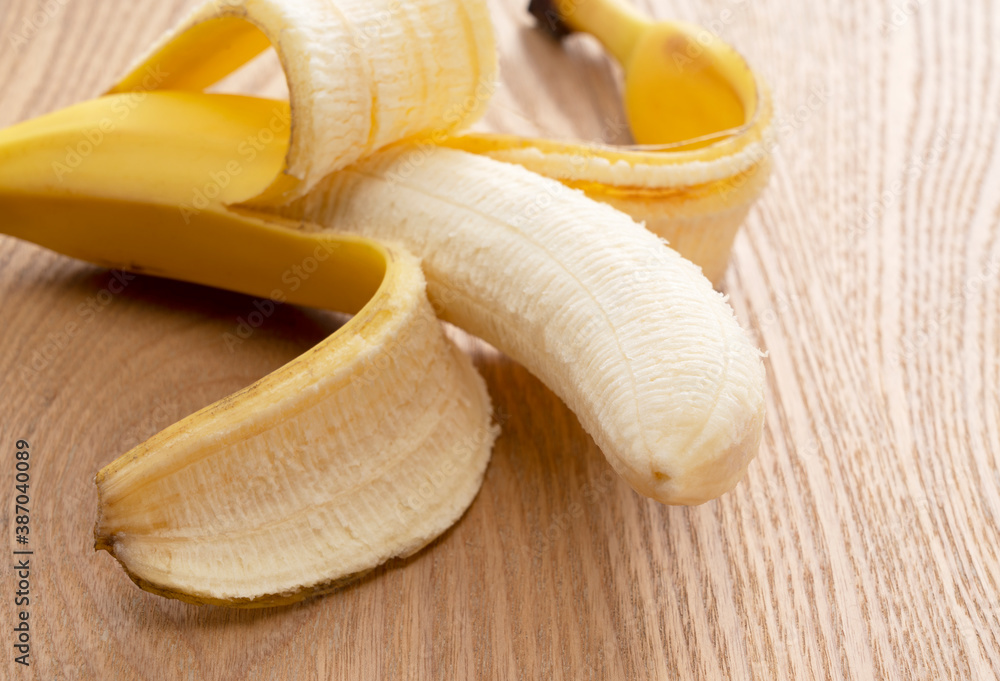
301 482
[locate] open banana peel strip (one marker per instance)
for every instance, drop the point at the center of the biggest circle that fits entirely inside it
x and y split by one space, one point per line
627 332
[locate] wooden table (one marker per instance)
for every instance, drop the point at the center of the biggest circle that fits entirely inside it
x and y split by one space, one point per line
863 543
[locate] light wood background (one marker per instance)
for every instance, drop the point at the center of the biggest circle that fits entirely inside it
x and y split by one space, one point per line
863 543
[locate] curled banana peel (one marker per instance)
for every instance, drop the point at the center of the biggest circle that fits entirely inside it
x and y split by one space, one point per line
301 482
700 117
360 73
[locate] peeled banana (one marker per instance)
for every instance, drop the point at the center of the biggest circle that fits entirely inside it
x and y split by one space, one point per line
300 481
626 331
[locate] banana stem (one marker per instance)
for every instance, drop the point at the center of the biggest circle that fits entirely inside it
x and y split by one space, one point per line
616 24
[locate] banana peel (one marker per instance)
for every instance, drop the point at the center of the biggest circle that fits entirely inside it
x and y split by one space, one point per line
299 483
700 117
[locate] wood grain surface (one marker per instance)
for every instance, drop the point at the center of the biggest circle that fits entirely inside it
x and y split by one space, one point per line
863 543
